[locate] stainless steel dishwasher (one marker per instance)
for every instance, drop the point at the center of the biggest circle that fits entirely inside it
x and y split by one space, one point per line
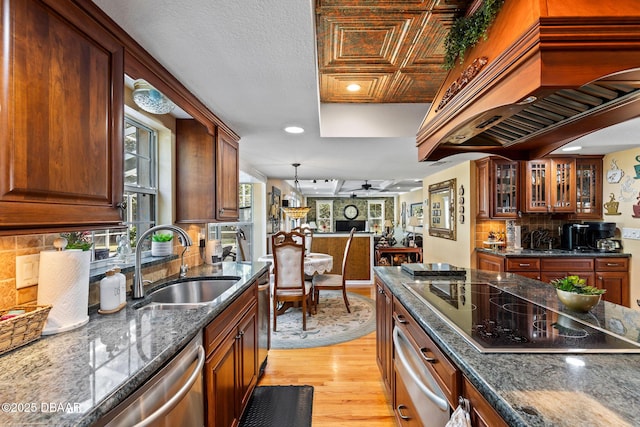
428 399
172 397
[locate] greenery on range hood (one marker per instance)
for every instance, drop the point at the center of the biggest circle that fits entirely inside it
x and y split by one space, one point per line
467 30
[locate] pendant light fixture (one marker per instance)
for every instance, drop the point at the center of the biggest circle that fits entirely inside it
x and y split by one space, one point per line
300 211
151 99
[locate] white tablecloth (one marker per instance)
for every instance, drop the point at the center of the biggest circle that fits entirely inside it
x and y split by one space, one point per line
313 263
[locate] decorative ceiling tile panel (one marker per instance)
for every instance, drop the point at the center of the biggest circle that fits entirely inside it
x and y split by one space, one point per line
373 86
393 49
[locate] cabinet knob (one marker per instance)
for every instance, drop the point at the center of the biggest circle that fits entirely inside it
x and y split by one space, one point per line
221 211
122 205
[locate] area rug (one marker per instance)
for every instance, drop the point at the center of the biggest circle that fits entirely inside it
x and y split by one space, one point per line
279 406
332 323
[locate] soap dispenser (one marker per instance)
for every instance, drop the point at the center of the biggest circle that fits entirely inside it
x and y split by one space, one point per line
109 292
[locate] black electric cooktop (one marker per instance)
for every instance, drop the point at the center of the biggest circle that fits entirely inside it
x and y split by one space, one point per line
496 321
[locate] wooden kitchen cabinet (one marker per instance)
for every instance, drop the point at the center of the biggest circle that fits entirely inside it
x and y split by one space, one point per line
489 262
207 173
481 412
384 331
61 119
227 177
550 186
497 188
612 274
588 188
231 368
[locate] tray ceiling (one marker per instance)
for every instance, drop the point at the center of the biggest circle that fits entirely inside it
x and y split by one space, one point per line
392 49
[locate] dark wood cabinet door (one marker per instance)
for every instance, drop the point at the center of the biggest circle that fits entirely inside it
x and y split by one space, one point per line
481 412
617 285
195 173
220 377
248 345
490 262
61 120
227 175
384 325
482 189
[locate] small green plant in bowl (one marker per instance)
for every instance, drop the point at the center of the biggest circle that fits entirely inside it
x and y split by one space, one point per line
576 285
162 237
575 294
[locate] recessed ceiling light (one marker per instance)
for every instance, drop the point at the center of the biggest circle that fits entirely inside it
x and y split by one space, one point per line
293 129
574 148
353 87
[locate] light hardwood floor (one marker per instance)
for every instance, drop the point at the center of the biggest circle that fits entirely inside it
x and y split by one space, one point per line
348 389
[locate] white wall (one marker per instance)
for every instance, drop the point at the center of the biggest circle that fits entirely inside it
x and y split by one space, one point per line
626 193
457 252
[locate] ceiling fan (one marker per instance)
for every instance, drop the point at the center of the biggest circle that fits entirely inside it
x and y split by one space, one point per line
366 187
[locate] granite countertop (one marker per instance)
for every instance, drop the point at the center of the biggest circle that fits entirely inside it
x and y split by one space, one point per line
539 253
538 389
75 377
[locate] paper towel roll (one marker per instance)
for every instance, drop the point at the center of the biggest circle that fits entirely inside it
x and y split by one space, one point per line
213 248
64 283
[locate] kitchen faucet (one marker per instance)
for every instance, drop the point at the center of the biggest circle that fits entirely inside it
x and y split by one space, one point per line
138 282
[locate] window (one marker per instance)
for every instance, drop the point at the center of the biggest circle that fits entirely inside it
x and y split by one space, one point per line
140 189
324 215
375 215
227 232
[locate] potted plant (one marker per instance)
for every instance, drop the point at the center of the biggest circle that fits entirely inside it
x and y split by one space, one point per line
78 240
575 294
162 244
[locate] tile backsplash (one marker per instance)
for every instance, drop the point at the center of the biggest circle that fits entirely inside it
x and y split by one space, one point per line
527 222
14 246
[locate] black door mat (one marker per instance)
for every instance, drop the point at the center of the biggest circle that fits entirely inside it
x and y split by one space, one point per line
279 406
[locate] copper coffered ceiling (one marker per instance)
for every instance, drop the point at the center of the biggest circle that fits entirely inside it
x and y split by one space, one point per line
393 49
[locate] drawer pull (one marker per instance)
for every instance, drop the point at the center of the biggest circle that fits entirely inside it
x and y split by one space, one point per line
400 319
423 352
612 264
524 265
400 408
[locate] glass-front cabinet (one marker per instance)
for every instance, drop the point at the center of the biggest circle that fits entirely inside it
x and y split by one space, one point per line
505 190
497 188
550 185
588 188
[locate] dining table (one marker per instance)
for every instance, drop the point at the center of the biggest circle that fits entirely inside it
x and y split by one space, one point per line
314 263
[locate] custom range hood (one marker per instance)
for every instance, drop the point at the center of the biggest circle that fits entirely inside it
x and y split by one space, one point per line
549 72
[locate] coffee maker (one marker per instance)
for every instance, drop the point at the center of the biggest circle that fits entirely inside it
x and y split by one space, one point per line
600 236
574 237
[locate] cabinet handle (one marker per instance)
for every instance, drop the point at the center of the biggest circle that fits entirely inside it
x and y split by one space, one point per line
612 264
381 291
399 408
423 353
400 319
600 278
524 265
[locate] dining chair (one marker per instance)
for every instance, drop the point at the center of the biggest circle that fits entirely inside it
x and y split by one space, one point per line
334 282
288 274
308 234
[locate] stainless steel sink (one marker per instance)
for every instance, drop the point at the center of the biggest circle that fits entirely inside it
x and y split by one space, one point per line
193 292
